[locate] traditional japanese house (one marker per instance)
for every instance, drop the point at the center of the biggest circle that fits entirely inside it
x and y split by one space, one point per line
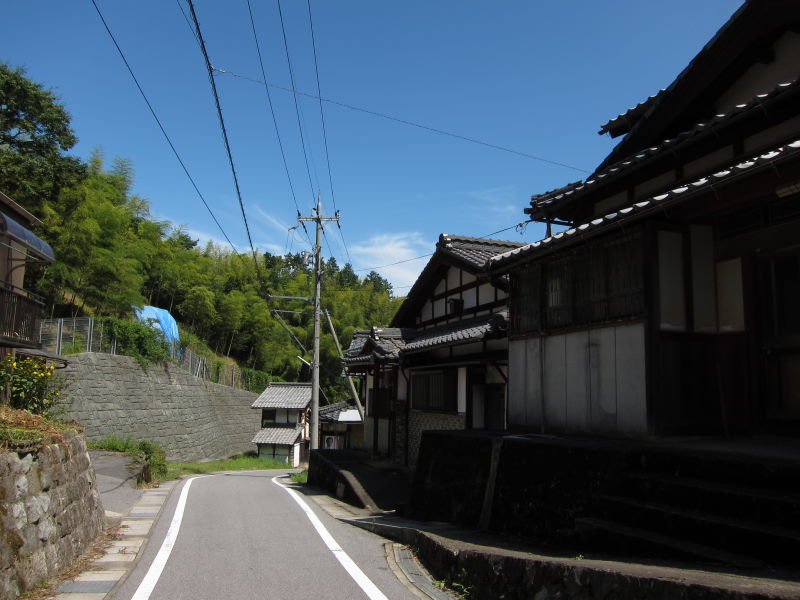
668 302
284 433
20 309
442 364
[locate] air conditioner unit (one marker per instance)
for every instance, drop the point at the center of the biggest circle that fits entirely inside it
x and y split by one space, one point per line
329 442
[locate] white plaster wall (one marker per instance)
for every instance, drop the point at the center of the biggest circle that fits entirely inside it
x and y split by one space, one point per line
470 297
453 278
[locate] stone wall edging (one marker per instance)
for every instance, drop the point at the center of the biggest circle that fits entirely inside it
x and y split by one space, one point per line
50 512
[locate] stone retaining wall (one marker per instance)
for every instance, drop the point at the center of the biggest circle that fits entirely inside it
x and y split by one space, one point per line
191 418
50 512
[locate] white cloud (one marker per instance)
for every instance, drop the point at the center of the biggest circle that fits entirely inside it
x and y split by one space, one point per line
388 249
500 201
264 217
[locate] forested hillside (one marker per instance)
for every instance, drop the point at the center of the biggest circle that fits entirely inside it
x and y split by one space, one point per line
111 254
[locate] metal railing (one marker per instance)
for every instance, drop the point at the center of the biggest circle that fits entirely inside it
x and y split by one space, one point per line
19 316
84 334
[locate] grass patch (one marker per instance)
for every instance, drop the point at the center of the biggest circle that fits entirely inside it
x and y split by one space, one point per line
150 454
301 477
240 462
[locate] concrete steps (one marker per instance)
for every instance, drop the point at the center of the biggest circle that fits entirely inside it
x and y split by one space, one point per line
724 510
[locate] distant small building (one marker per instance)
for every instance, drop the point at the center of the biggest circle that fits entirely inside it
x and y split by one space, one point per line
340 427
284 433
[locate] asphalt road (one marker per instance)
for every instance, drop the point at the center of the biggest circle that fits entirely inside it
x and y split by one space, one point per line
241 536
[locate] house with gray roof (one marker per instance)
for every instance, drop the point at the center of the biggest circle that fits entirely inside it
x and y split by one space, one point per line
442 362
667 302
284 433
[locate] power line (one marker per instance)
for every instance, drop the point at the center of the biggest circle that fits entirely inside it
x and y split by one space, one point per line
188 22
224 135
399 262
272 112
520 227
324 132
294 96
161 127
407 122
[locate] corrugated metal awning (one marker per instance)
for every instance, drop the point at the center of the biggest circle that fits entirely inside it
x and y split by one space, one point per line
34 244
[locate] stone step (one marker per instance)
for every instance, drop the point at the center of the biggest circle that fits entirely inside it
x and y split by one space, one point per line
620 534
769 506
777 544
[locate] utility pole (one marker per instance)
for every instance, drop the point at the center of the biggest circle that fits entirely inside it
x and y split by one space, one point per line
318 219
353 390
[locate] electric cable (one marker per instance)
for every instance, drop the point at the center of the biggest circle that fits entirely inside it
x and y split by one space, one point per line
407 122
161 127
324 130
272 112
225 139
399 262
294 96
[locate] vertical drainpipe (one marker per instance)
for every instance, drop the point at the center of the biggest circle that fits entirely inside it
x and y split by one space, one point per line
408 411
375 419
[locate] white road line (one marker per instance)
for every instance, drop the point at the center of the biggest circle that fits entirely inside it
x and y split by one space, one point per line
364 582
154 572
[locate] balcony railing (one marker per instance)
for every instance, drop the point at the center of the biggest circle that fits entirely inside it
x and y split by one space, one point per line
20 314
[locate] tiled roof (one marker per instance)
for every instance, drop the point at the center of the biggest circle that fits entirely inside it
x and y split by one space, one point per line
457 333
339 412
473 250
280 436
657 202
578 188
622 123
284 395
331 411
384 344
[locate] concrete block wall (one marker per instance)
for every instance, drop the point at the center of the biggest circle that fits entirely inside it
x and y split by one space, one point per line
191 418
50 512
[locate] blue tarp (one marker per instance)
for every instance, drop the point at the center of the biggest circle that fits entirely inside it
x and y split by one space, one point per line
160 318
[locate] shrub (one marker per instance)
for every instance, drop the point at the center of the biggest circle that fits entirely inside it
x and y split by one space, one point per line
31 383
145 344
256 381
149 453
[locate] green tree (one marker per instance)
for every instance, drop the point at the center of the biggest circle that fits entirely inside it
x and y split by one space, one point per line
34 134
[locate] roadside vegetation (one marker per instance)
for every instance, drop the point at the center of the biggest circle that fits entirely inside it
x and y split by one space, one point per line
30 391
301 477
148 452
241 462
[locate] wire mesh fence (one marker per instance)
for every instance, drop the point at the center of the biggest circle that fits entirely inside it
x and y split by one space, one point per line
85 334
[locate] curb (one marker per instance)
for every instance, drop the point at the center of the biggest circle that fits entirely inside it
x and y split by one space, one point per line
489 572
110 570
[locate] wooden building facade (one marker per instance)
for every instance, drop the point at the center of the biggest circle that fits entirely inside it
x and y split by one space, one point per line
668 302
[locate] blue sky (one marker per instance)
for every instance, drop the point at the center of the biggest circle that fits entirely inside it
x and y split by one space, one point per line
537 77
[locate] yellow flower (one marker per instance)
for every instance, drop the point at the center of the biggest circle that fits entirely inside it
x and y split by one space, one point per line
48 374
14 364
